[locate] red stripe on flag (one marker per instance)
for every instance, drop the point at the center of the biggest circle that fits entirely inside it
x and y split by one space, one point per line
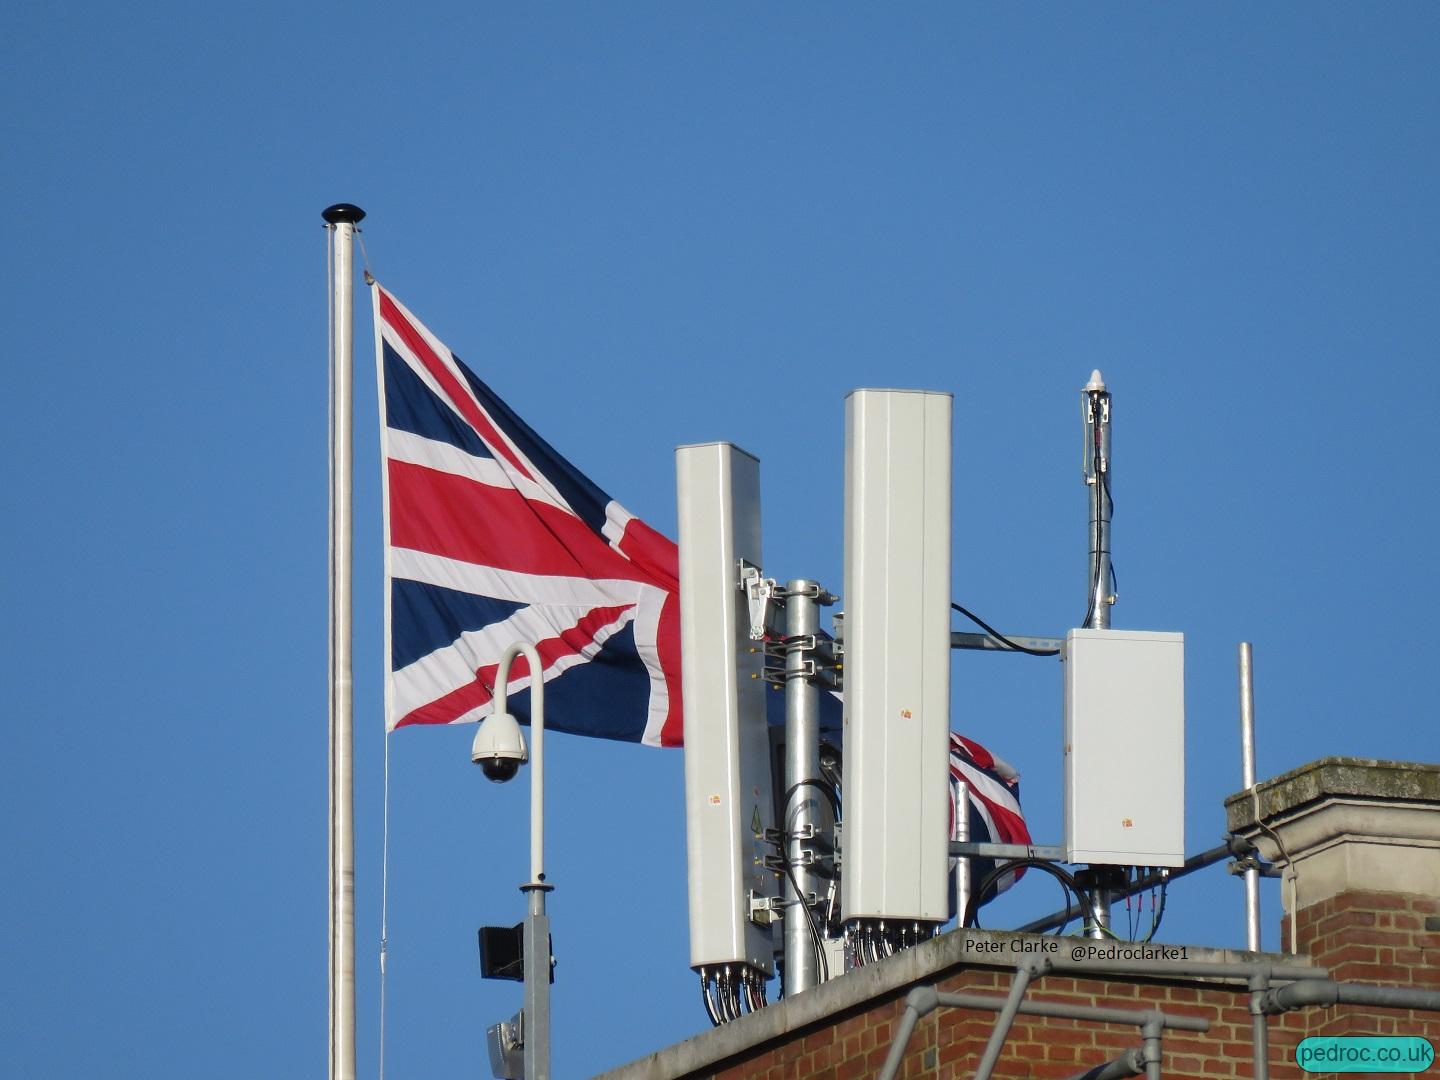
459 395
667 643
443 514
658 558
472 695
977 753
1008 824
653 552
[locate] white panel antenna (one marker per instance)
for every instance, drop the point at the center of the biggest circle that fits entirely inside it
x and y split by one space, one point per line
897 655
728 788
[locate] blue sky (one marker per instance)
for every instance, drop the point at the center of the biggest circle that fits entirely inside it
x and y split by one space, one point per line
647 225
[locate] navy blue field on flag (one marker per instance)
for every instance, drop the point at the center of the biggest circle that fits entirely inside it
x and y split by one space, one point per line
411 407
430 617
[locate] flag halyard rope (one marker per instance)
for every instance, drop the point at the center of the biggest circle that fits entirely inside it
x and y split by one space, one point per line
384 899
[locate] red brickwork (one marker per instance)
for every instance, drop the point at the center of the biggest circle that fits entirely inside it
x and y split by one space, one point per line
1380 938
1372 937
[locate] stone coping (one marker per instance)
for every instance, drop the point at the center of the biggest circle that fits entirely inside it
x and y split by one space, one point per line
1367 779
925 964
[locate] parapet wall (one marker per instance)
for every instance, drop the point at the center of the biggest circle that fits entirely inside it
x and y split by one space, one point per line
1386 933
845 1028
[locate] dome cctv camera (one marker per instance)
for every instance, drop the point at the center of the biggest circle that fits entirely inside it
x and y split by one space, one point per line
499 748
499 769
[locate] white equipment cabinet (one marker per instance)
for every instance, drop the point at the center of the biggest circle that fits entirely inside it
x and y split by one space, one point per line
1125 748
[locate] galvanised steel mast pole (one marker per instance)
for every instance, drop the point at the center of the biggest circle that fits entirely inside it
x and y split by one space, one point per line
802 770
1095 408
1097 475
341 219
964 883
1247 780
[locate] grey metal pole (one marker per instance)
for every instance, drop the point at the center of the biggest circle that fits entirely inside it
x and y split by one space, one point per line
963 882
1130 1063
1101 884
1260 1024
1247 780
537 983
1326 993
1097 476
1100 901
802 770
923 1000
536 933
908 1019
1001 1031
341 220
1065 1011
1151 1033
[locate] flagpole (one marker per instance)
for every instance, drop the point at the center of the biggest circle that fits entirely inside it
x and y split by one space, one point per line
341 219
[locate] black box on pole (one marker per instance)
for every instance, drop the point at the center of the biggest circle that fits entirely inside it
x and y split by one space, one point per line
502 953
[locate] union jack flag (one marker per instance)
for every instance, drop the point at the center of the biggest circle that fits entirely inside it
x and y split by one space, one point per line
492 537
994 807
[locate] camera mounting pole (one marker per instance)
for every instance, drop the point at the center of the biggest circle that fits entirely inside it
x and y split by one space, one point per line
536 1026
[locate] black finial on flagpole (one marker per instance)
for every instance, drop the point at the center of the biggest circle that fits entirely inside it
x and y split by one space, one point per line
342 214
